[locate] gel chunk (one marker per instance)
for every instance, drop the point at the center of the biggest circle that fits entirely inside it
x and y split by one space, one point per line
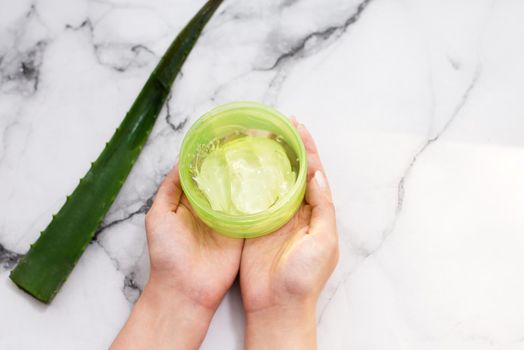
246 175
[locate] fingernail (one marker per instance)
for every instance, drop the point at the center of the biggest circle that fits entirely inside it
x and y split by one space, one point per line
320 179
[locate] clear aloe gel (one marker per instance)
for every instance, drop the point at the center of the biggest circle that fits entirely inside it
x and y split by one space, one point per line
243 169
244 174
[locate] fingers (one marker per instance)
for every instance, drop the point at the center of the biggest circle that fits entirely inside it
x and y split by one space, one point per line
169 193
313 157
294 121
318 195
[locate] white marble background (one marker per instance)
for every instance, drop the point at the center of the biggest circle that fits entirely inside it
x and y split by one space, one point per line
418 110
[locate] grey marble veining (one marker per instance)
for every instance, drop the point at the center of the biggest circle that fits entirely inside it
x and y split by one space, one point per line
417 109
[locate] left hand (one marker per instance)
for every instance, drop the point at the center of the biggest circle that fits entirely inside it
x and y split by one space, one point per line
192 267
187 257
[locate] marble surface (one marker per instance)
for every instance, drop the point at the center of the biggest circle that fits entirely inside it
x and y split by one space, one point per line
418 111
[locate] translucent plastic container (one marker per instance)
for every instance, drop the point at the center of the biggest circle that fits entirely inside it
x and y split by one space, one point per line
235 118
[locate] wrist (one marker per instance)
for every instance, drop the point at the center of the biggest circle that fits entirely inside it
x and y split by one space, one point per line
163 319
284 326
176 306
192 293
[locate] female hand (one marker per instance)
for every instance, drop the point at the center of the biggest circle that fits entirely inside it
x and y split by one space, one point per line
282 274
192 267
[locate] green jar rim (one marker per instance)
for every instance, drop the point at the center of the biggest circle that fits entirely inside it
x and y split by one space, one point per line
202 205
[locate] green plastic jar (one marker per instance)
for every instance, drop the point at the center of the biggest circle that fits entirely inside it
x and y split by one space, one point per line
234 118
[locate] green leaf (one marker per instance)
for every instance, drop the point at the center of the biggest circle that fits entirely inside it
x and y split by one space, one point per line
50 260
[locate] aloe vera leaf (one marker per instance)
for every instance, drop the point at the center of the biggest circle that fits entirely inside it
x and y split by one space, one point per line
50 260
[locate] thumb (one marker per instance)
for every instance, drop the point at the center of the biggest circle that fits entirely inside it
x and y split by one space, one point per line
318 195
169 193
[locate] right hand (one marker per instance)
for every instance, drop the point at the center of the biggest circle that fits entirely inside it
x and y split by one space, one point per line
282 274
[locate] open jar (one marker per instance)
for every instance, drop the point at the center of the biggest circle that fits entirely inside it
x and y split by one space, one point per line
233 195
